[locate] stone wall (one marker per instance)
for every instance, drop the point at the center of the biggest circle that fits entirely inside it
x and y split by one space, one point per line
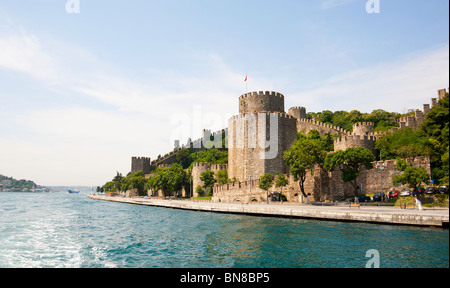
297 112
140 164
197 170
305 125
261 101
319 185
355 141
257 142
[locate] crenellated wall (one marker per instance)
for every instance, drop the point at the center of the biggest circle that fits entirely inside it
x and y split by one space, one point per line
320 185
355 141
257 142
363 128
297 112
305 125
261 101
200 167
140 164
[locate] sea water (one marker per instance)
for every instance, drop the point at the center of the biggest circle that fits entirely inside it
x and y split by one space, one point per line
71 230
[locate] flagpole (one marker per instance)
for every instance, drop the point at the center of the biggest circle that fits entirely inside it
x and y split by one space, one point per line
246 84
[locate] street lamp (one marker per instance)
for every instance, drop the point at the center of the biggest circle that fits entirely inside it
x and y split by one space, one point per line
381 168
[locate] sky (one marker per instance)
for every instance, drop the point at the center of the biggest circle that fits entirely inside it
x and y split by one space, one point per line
87 84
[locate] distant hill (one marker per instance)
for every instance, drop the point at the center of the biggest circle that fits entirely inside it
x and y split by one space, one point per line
9 183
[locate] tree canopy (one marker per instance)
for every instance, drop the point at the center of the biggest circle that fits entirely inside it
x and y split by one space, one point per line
382 120
186 157
349 162
308 151
208 180
168 179
431 139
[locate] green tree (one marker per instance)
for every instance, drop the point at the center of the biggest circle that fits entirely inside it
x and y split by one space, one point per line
183 158
382 120
405 143
108 186
213 156
413 176
281 182
436 128
349 163
342 119
169 179
326 117
445 166
208 180
301 157
265 182
117 180
199 190
222 177
133 181
355 116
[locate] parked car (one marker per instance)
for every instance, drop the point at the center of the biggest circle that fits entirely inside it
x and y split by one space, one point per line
393 194
443 189
377 197
421 191
361 199
431 190
405 193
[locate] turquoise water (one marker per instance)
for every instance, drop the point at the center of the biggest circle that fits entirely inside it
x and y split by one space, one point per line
71 230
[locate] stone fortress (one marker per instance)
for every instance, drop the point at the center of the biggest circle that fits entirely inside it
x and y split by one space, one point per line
257 140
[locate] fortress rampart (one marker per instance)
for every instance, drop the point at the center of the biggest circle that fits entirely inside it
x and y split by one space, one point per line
140 164
262 132
261 101
363 128
297 112
355 141
200 167
320 185
305 125
257 142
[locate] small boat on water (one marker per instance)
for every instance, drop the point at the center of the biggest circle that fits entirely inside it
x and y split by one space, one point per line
73 191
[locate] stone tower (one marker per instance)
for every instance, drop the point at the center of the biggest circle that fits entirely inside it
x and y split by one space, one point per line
298 112
140 164
362 136
259 136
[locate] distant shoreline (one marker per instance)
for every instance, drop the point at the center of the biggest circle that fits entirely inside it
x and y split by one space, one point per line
378 215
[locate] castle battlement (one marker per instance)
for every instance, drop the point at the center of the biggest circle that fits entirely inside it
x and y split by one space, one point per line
355 141
262 93
164 165
141 158
256 114
209 166
363 124
297 108
322 125
201 164
356 137
218 167
261 101
237 185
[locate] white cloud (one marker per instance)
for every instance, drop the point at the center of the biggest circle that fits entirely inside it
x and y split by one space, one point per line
86 144
24 53
407 83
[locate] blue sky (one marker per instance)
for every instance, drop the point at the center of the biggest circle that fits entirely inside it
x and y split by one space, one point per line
81 93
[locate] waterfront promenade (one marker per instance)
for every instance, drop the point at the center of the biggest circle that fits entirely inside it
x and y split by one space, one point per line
372 214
